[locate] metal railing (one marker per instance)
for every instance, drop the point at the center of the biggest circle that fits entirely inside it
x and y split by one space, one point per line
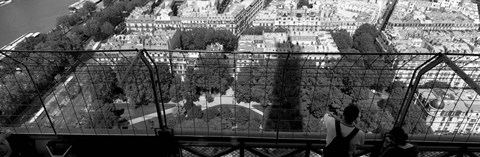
269 95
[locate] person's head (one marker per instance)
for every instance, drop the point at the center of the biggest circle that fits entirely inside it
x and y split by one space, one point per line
397 136
350 113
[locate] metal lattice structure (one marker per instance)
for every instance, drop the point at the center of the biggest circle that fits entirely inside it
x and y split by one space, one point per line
259 99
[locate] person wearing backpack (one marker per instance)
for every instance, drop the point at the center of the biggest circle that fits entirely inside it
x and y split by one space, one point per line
342 136
396 144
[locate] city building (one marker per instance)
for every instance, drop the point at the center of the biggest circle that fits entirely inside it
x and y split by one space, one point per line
283 42
323 15
443 26
234 16
449 113
441 15
140 19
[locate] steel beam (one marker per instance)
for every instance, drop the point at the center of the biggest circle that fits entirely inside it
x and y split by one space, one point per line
461 73
154 88
411 92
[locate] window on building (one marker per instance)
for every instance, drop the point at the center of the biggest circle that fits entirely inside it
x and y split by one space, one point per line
443 119
450 119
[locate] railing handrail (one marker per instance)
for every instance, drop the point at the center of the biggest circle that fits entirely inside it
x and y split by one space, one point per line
243 52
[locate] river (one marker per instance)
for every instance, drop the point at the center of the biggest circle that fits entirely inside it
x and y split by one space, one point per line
25 16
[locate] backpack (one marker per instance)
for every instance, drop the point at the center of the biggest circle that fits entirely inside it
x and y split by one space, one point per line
340 146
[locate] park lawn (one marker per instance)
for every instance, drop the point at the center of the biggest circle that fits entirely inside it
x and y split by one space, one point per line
146 125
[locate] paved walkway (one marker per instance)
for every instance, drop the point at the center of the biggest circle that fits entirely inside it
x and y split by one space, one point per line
226 99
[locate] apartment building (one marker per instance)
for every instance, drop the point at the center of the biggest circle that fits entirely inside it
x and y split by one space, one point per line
140 19
441 15
423 41
450 111
232 15
324 15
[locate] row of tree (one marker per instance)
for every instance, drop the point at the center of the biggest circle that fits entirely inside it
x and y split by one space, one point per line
200 38
258 30
224 117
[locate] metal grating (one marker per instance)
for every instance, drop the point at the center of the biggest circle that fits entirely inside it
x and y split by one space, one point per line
249 154
233 154
186 153
431 153
313 154
275 151
209 150
300 154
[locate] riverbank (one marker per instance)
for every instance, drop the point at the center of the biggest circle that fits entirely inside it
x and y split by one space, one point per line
5 2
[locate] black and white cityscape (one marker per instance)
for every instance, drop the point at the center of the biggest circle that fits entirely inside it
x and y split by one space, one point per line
237 77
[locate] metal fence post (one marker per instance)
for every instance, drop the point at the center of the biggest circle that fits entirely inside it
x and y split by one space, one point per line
141 55
412 88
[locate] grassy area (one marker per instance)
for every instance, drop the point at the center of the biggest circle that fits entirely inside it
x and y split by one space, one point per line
133 112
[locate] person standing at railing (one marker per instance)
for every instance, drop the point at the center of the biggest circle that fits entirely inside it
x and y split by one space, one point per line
5 149
396 144
342 135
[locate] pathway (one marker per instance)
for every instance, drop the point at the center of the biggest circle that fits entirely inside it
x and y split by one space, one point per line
218 100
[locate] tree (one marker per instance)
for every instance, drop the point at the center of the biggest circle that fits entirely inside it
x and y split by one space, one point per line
188 105
92 29
68 20
89 6
199 38
31 42
176 90
103 83
366 28
105 116
374 119
343 39
209 98
137 83
108 3
17 90
212 75
302 3
395 84
415 120
255 83
210 113
284 113
195 112
179 111
242 115
365 43
107 29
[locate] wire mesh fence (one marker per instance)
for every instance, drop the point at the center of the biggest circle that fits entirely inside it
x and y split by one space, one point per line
234 93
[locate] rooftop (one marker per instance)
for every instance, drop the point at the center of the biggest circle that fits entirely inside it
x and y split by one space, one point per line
460 100
425 12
